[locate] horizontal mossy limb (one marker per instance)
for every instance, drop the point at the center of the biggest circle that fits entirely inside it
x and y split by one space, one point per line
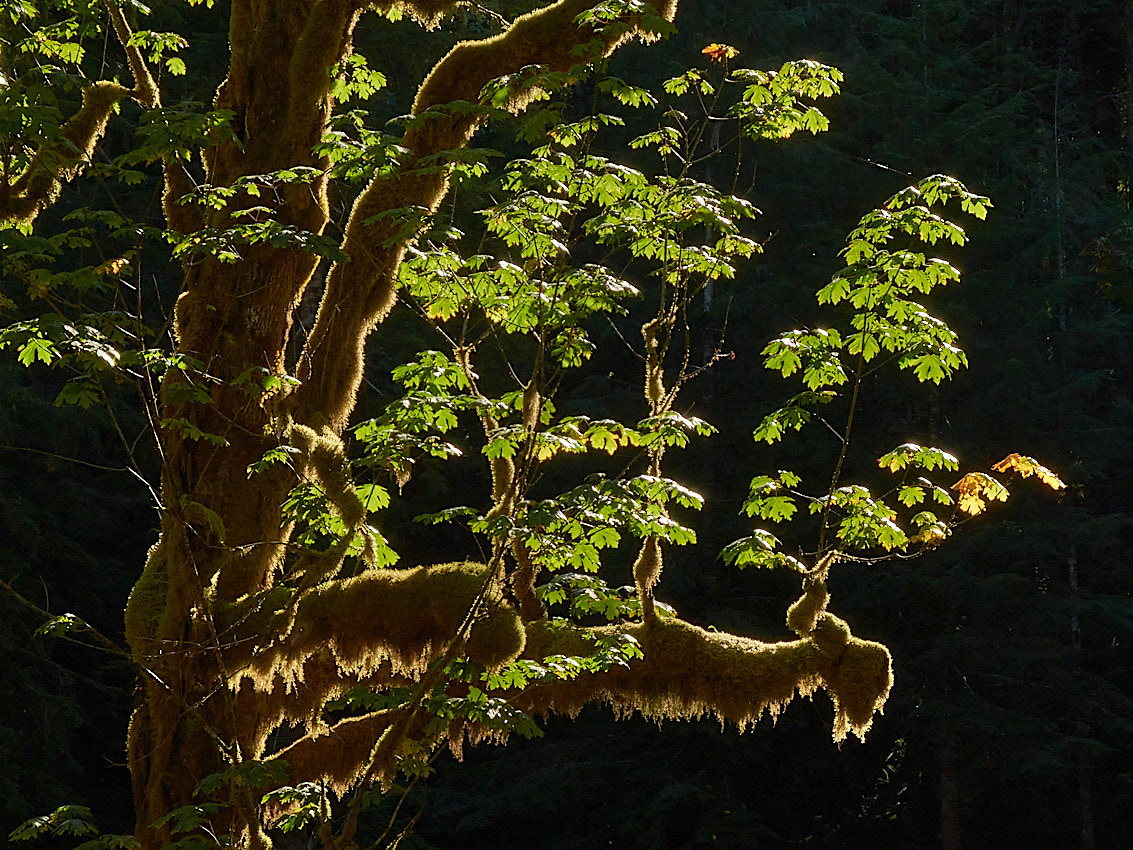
397 618
689 672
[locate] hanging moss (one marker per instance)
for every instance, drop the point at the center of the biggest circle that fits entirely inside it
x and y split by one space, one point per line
859 685
340 756
646 572
396 617
428 13
654 372
688 672
647 567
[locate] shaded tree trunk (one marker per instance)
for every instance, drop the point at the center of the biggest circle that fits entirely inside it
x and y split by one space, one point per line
950 832
1129 75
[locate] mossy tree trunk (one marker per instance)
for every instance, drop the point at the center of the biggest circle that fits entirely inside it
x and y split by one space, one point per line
240 631
223 535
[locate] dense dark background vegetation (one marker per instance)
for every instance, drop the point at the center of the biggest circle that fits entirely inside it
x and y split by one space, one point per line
1011 723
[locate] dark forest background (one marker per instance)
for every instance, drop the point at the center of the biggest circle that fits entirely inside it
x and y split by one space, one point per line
1011 722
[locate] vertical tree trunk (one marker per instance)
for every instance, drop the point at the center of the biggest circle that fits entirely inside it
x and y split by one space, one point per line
223 534
950 833
1086 805
1129 75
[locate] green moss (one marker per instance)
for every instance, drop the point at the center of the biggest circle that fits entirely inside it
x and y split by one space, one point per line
147 601
398 619
497 639
688 672
803 615
54 164
831 634
859 685
647 567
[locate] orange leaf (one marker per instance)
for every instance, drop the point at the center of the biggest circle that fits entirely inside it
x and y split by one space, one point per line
1028 466
720 52
1007 463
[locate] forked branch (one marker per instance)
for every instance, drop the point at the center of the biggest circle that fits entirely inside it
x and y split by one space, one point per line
361 292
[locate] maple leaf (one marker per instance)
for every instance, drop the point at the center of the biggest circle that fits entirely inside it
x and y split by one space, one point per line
1028 466
720 52
975 489
114 266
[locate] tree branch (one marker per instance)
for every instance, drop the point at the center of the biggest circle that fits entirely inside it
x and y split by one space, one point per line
59 161
688 672
361 292
338 756
145 89
382 622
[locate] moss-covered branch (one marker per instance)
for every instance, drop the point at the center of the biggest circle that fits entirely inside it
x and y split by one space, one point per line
688 672
145 89
388 628
387 621
339 755
60 160
360 293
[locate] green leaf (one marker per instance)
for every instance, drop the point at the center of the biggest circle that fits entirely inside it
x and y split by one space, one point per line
911 495
760 549
190 431
65 820
37 348
373 496
62 625
189 818
81 392
923 457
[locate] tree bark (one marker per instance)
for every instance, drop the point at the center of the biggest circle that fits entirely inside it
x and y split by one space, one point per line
23 196
950 832
224 540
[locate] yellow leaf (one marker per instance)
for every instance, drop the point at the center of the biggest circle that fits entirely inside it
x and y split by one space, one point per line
1028 466
975 489
112 266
